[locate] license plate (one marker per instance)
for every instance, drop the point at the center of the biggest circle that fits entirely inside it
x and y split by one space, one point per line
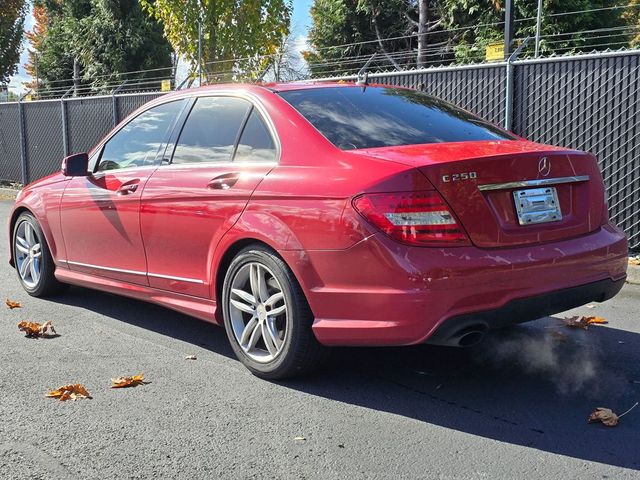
537 205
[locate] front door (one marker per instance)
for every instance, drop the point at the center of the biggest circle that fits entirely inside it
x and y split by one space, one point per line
221 155
100 213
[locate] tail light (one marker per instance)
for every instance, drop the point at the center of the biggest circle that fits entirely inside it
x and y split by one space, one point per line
415 218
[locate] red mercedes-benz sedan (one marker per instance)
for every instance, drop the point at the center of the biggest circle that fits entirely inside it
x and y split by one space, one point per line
302 216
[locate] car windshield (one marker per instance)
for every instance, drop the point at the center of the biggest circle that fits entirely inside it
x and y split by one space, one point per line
353 118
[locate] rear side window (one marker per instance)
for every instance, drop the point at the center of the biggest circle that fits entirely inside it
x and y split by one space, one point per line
256 143
137 143
211 130
351 118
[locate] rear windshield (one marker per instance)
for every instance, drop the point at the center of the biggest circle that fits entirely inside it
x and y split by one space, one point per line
382 117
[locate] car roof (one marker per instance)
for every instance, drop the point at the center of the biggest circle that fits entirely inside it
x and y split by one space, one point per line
273 86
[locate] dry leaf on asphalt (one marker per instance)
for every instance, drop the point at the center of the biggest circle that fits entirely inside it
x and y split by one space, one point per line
634 261
190 357
33 329
607 417
604 415
11 304
69 392
133 381
583 322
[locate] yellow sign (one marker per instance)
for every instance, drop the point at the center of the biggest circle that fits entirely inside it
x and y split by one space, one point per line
165 86
495 51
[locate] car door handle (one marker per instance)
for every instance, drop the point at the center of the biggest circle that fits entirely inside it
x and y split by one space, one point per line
224 182
127 188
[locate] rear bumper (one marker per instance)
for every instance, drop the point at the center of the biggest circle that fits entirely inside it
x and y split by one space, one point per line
380 292
526 309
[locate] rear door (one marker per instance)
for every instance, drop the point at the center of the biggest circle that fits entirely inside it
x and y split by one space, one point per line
223 151
100 213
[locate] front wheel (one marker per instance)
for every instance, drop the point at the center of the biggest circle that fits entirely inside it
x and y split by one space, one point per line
32 258
267 318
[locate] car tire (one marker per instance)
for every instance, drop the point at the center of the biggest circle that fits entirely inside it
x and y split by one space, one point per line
30 245
288 334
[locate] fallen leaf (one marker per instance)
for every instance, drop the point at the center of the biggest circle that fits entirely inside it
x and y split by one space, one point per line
33 329
300 439
133 381
69 392
583 322
604 415
634 261
190 357
12 304
607 417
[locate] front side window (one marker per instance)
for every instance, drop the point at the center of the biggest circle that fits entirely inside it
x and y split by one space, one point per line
138 142
353 118
211 130
256 143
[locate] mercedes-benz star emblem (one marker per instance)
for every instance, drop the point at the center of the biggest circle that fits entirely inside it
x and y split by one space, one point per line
544 166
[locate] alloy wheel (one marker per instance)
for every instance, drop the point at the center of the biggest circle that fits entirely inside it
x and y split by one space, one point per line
258 312
28 252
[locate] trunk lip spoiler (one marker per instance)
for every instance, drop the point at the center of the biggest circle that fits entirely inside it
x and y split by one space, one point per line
533 183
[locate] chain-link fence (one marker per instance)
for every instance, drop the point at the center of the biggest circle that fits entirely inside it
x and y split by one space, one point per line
35 136
588 102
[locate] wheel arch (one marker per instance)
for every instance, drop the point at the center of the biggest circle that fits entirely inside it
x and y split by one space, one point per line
12 223
231 250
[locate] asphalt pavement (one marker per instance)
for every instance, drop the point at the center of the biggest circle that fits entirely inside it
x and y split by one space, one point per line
513 407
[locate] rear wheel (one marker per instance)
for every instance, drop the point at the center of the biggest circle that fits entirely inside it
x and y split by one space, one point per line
267 318
32 258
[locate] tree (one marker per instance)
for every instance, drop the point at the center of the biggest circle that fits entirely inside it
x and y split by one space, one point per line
36 38
631 15
474 24
286 65
391 28
237 37
339 28
95 42
12 15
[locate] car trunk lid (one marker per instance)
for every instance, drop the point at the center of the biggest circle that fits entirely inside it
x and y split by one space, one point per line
486 183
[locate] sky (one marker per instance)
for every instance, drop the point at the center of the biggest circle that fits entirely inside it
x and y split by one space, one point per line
300 23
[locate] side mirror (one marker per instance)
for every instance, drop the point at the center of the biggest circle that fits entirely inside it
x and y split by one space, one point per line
75 165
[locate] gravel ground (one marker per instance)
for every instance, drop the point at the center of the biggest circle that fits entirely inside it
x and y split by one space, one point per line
513 407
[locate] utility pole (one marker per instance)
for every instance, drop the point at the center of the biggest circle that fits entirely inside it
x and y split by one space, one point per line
199 52
538 25
200 43
423 6
508 27
76 77
35 62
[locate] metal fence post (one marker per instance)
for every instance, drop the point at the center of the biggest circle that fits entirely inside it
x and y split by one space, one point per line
23 140
65 126
508 97
116 116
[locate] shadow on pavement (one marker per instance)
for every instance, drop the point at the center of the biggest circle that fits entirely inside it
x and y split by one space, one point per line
150 317
532 385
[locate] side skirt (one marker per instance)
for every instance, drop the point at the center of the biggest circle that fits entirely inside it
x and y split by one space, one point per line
202 308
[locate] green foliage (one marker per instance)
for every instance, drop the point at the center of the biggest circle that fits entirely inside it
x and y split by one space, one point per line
344 22
458 30
471 42
106 37
12 13
231 30
631 16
